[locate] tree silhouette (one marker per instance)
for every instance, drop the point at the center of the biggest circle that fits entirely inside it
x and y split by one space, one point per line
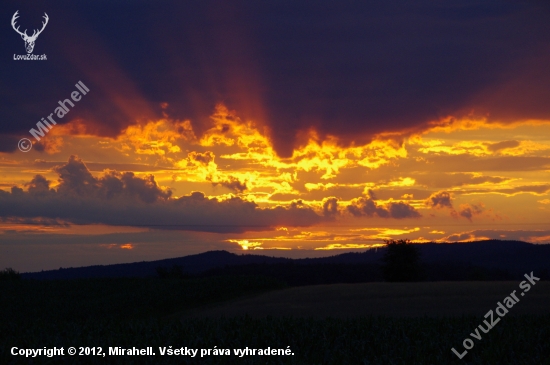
401 261
174 272
9 274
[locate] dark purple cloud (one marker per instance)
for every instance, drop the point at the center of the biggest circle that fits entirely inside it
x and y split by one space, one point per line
468 211
330 207
446 180
76 180
401 210
500 234
8 143
494 147
440 199
232 183
368 207
443 199
351 69
123 199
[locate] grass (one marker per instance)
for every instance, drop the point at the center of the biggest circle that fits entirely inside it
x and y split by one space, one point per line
121 298
142 312
388 299
369 340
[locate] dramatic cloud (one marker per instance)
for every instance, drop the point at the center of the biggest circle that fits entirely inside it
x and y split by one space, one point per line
537 236
447 180
231 183
330 207
126 200
468 211
539 189
349 69
8 143
254 119
204 158
467 163
441 199
401 210
368 207
76 179
494 147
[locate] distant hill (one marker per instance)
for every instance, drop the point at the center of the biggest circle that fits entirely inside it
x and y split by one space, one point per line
503 259
193 264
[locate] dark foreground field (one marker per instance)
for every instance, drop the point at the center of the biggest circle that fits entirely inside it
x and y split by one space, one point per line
382 328
385 299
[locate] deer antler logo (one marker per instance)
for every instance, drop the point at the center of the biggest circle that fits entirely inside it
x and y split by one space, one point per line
29 41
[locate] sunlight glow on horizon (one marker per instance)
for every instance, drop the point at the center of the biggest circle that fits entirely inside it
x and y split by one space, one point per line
361 194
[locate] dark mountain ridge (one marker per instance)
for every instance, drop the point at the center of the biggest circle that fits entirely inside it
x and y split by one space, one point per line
513 257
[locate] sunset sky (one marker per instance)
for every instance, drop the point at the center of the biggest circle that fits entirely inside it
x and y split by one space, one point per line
286 128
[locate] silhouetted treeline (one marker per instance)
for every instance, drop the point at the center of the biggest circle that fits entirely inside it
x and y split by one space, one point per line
401 261
174 272
9 274
317 274
481 260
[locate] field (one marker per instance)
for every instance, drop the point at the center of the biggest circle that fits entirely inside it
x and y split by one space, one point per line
384 299
364 326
